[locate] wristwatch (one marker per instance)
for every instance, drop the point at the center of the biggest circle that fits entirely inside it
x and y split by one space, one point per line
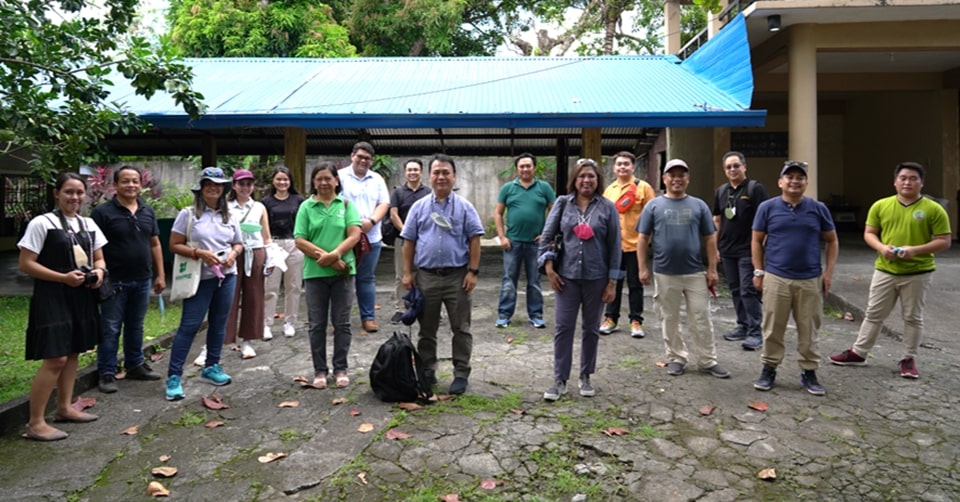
474 271
758 272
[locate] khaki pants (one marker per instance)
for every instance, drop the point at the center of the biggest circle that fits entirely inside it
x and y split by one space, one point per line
804 299
885 289
669 291
292 281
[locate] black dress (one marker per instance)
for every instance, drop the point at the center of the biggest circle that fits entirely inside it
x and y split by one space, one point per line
63 320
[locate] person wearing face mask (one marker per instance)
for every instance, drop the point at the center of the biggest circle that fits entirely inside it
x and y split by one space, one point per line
584 274
680 227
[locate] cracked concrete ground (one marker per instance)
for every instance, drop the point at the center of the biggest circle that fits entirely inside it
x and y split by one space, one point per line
874 436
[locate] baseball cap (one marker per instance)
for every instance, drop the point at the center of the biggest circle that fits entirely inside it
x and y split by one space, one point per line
242 174
794 164
676 163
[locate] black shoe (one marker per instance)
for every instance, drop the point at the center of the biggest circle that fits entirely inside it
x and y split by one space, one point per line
430 378
108 384
735 335
459 386
143 372
808 378
397 317
753 343
767 377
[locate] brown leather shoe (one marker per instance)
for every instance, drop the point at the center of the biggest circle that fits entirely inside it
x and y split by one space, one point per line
371 326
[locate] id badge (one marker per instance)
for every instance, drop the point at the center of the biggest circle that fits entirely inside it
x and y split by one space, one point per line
730 212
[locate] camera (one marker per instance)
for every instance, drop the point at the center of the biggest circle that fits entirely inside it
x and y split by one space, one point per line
89 276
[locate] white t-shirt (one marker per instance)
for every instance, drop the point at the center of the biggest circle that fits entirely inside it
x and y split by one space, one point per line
38 227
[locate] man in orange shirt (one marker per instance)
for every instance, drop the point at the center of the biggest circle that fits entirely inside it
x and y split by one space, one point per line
630 195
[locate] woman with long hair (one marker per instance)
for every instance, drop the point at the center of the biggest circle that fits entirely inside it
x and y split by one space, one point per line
282 203
246 314
214 238
585 275
326 231
61 251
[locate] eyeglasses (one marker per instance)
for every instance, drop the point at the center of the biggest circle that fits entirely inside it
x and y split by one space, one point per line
733 166
586 161
363 158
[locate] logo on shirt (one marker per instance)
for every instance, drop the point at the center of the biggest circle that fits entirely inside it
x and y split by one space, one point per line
919 215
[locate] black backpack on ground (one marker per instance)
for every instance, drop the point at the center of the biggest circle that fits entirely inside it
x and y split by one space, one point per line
397 373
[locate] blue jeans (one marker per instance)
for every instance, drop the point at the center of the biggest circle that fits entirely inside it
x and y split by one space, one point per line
367 282
520 253
213 295
746 298
328 300
124 310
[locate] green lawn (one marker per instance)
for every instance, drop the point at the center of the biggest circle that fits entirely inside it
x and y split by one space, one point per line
16 374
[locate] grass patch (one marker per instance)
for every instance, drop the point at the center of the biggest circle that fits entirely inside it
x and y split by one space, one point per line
471 405
190 419
287 435
630 363
16 374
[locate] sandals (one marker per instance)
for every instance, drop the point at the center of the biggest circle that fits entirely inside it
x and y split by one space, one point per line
320 382
342 380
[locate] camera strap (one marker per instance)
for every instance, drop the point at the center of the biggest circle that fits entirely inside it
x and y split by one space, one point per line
81 257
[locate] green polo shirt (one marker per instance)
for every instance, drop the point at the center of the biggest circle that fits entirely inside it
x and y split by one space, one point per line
326 226
526 208
911 225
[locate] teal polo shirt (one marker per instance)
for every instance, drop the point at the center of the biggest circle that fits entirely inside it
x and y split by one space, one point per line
526 208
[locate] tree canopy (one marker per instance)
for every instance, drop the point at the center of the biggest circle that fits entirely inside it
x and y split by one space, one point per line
344 28
55 62
251 28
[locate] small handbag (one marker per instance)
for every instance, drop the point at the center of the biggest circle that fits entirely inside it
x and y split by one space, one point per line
186 271
363 245
556 245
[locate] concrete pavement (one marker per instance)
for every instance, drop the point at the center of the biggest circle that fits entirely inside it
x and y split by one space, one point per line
874 436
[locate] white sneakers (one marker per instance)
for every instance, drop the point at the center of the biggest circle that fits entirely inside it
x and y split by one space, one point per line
246 351
202 358
288 330
267 334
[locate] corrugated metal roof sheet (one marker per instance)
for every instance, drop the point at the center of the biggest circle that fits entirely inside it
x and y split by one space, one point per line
572 92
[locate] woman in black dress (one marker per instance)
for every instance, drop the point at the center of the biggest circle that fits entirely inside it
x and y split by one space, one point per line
61 251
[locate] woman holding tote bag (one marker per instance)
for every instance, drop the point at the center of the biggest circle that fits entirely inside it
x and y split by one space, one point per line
216 236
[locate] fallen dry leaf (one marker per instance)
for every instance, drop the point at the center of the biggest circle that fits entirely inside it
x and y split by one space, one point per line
848 316
164 471
213 424
164 458
131 431
768 474
615 431
289 404
376 306
661 364
355 412
509 339
758 405
155 489
838 315
395 434
450 497
707 409
339 400
213 402
365 427
83 403
517 412
362 477
490 484
270 457
409 406
156 356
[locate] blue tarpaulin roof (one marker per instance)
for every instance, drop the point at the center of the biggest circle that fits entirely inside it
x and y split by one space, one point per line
471 92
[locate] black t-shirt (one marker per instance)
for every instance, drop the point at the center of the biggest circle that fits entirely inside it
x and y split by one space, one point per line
282 214
734 235
403 198
127 252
